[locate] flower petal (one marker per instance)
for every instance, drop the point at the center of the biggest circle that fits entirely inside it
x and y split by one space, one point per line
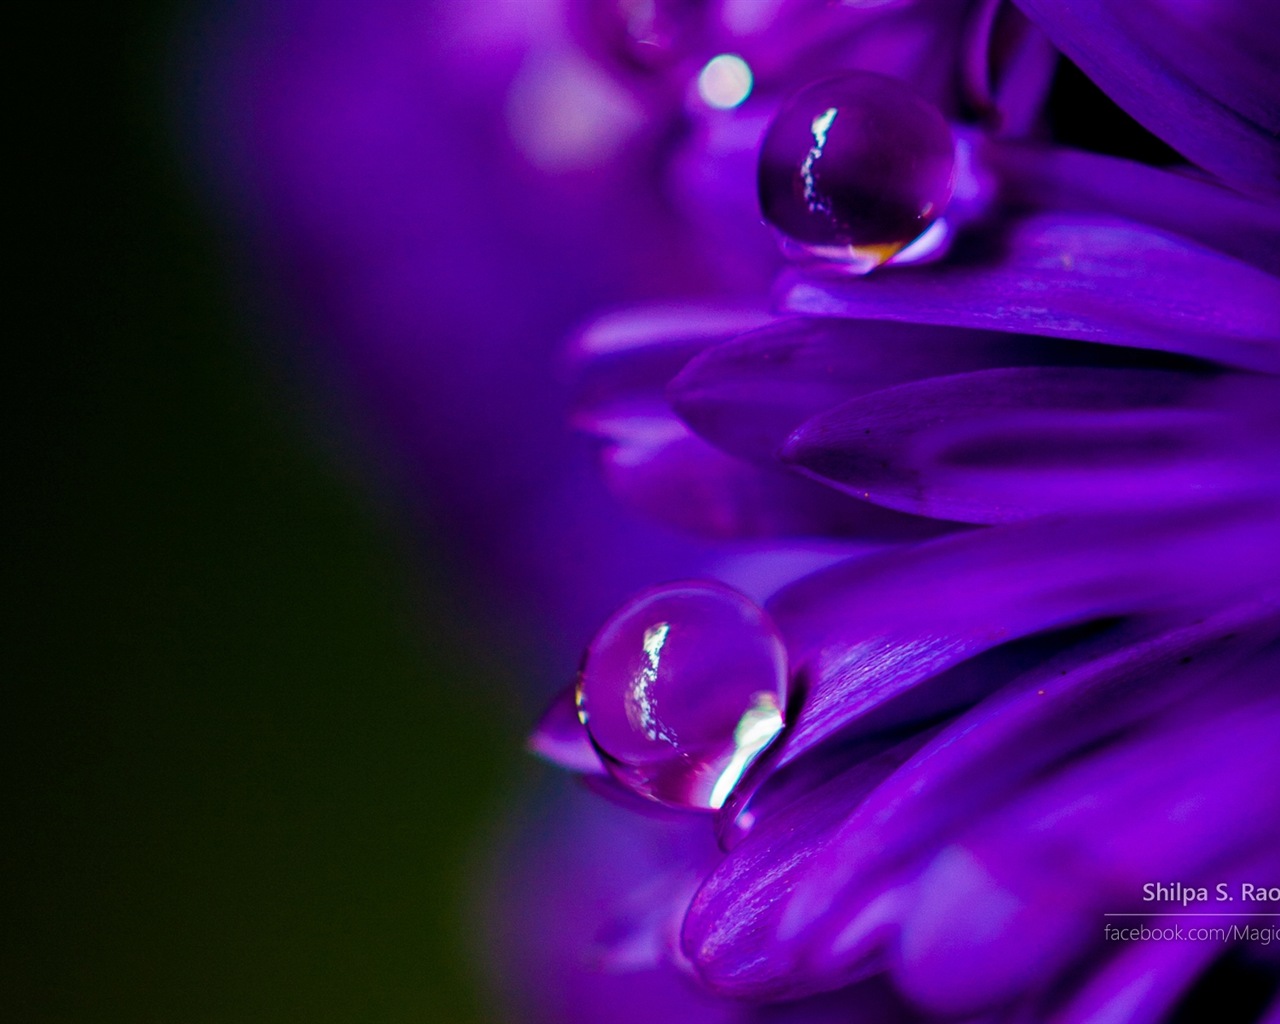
1009 581
860 767
748 394
1007 66
1096 280
633 353
1202 77
561 738
730 932
1007 444
666 472
1141 985
899 684
848 681
859 680
808 900
1037 177
1190 799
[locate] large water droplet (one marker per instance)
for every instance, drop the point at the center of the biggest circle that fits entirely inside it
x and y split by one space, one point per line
682 690
854 168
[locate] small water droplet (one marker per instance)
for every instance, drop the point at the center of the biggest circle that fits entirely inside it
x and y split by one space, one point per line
853 169
682 690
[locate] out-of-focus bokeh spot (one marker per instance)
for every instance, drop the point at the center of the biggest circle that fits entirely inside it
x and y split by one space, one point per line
725 82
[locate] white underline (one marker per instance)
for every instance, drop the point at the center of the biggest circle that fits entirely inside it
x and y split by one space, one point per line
1191 915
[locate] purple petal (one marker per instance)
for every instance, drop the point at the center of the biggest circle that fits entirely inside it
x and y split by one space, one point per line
747 395
958 905
631 354
860 767
1065 705
730 932
1013 580
1007 66
1140 986
1003 445
661 469
561 738
1190 800
809 899
640 328
1202 77
891 685
1035 177
737 931
1094 280
1046 909
846 682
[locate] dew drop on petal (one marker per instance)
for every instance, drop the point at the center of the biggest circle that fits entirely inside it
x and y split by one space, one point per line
682 690
854 168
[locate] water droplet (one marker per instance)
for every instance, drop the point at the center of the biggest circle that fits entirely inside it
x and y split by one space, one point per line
682 690
854 168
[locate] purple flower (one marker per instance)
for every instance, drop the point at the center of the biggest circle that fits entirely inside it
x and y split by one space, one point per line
989 641
998 662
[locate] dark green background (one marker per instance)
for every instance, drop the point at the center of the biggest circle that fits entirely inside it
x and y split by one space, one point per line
249 757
